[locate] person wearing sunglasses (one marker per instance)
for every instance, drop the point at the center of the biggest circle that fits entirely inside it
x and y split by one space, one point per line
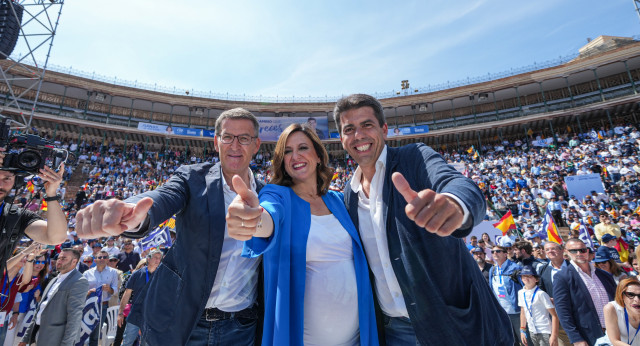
580 293
101 276
622 315
505 285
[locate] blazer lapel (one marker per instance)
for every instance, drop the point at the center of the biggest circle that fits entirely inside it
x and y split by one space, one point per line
217 212
388 184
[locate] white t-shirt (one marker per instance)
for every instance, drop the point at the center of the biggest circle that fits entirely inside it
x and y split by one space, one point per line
538 318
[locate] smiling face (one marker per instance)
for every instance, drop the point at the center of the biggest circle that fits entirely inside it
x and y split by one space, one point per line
235 157
300 159
631 297
362 136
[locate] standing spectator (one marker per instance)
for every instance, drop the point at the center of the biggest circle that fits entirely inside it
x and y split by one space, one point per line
479 256
128 259
524 255
547 273
606 226
107 278
580 293
604 261
622 315
505 285
65 298
111 247
535 310
137 282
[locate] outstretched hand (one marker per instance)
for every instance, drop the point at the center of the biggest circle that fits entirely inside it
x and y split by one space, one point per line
244 212
111 217
435 212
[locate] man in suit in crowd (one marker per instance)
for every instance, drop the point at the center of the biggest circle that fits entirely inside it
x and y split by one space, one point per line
580 292
59 313
411 209
190 290
548 272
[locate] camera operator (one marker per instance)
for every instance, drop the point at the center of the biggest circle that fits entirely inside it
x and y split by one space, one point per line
15 222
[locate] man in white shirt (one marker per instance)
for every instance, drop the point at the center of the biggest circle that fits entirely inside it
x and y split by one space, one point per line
101 276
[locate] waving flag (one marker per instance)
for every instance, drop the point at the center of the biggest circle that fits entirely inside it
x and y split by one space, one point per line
43 206
470 150
506 223
584 235
91 315
623 249
160 236
30 186
550 227
28 317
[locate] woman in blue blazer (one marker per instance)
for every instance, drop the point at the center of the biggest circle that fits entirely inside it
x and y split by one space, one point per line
317 288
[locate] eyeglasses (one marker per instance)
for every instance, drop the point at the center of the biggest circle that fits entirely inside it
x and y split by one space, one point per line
575 251
631 295
88 261
497 251
39 262
102 257
242 139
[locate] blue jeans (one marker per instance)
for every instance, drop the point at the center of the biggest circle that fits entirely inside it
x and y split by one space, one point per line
233 331
398 331
130 335
95 334
3 332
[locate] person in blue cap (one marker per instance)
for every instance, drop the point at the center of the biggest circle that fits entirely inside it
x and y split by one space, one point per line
537 312
605 261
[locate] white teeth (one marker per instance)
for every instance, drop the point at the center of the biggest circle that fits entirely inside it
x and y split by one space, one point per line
363 147
299 165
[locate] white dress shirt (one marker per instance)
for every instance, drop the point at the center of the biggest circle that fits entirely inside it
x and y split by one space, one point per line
50 294
374 238
236 284
107 276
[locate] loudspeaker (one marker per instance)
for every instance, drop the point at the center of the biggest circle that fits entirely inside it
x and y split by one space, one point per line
9 26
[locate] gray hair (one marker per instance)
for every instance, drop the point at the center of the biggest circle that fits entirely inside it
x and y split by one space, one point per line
237 113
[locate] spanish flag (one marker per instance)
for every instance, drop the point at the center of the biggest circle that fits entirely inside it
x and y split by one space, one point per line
30 186
600 136
335 176
550 226
470 150
506 223
623 249
476 155
43 206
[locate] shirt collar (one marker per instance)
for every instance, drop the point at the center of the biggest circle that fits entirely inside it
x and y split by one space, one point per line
381 164
227 187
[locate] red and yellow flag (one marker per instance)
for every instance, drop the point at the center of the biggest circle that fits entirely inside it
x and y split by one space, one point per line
43 206
623 249
30 186
470 150
550 226
506 223
335 176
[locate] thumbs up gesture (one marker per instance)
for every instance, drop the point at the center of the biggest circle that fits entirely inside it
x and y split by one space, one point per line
244 213
437 213
111 217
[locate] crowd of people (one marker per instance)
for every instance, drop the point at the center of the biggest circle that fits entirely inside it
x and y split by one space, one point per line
537 283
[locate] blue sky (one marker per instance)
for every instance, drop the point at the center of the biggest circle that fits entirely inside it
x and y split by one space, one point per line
320 48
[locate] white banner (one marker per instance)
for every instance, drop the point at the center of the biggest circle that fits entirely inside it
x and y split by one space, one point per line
582 185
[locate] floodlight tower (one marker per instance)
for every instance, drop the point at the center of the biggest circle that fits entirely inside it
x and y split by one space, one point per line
27 29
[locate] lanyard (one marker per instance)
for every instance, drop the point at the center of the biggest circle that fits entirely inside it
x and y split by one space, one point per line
499 270
6 290
626 319
147 275
532 298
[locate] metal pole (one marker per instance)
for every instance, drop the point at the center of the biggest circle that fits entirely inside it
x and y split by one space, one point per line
64 96
544 99
130 113
555 138
626 67
599 87
495 106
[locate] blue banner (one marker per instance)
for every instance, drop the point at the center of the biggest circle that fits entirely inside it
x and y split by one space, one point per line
584 236
160 236
272 127
403 131
91 315
28 317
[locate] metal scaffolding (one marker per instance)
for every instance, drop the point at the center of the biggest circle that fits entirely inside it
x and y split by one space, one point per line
22 72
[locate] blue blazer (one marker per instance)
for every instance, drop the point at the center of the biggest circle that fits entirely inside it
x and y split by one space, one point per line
170 307
574 306
285 258
512 287
447 297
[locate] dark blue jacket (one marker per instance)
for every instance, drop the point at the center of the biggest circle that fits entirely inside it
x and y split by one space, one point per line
177 294
446 296
574 306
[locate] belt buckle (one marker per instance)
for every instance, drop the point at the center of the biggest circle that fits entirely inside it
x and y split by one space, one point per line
208 315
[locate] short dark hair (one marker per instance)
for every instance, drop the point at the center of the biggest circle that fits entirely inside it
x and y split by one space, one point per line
356 101
237 113
528 248
323 172
73 252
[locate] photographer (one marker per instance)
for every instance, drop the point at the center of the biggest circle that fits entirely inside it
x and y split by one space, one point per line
15 221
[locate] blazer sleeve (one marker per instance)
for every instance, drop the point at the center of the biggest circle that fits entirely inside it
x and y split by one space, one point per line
75 304
564 307
273 200
443 178
168 199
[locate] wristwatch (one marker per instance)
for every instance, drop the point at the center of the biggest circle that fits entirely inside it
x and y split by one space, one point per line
52 198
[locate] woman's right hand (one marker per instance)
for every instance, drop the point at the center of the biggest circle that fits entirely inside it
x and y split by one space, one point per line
244 213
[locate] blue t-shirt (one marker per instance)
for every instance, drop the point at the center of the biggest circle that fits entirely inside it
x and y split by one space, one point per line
138 281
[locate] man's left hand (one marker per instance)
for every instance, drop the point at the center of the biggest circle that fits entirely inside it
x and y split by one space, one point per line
52 179
435 212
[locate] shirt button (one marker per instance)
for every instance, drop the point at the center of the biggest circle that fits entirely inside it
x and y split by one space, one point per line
396 294
386 265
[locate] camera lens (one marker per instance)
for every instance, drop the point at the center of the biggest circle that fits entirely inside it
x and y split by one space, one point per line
29 160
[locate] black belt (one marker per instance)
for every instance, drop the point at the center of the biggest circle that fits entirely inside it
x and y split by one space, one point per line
215 314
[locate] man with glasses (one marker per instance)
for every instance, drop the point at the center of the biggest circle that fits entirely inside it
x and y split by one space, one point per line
548 272
580 293
505 284
204 292
106 277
